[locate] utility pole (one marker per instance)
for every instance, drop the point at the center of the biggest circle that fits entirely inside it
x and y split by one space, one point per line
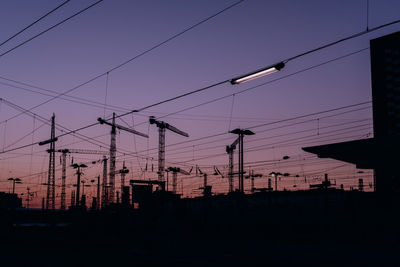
161 143
241 133
113 151
50 197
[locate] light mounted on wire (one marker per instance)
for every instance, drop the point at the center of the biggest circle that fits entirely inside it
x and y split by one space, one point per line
258 73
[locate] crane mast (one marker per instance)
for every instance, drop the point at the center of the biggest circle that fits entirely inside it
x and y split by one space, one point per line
113 150
230 150
104 195
50 199
64 152
161 153
63 178
161 145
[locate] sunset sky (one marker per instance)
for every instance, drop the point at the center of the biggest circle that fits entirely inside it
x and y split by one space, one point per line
247 36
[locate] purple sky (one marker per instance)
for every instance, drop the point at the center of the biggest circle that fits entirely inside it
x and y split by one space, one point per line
251 35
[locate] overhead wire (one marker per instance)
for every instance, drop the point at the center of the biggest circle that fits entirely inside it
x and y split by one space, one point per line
138 56
283 144
267 124
287 60
342 40
33 23
264 138
216 84
73 99
196 91
50 28
239 92
58 126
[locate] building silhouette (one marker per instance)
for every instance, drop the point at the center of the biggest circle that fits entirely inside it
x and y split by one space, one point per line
380 152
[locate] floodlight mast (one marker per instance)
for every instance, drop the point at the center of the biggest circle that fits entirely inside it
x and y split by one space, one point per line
241 133
78 181
258 73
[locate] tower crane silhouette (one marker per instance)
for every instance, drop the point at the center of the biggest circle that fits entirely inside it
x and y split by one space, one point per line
113 150
161 143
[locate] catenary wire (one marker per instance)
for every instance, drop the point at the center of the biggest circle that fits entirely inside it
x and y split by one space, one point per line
50 28
33 23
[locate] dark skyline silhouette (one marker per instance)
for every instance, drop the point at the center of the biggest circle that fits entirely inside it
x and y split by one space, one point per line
234 133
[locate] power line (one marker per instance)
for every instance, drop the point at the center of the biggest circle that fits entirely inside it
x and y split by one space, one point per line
287 60
48 29
275 122
273 145
263 138
51 93
342 40
239 92
44 120
33 23
136 57
202 89
289 142
308 115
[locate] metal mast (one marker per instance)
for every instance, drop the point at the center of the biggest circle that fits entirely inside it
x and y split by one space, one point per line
113 150
63 177
161 145
64 152
78 182
104 190
161 154
50 198
230 149
241 134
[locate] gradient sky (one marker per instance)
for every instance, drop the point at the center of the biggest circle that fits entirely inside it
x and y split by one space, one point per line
251 35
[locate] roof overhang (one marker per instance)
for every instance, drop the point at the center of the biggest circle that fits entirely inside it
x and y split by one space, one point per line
365 153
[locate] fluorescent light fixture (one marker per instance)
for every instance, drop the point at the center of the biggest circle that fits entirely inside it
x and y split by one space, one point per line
258 73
